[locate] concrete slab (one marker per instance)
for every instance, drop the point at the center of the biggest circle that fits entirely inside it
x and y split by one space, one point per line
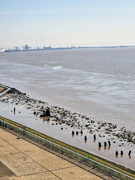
75 173
17 161
46 159
5 171
40 176
31 162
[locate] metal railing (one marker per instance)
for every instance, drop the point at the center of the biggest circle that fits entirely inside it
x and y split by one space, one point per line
89 162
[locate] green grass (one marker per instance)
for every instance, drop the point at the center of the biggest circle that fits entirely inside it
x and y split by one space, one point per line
103 161
88 156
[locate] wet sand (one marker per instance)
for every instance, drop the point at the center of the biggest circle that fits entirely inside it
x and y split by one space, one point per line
62 122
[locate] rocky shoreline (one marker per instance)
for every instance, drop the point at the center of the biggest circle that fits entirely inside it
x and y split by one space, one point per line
62 116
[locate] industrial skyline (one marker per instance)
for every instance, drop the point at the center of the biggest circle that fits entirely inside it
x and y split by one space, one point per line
28 48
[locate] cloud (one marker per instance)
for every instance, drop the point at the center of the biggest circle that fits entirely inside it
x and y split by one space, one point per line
54 11
19 12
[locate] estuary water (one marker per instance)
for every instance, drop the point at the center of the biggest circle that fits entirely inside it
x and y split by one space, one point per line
97 82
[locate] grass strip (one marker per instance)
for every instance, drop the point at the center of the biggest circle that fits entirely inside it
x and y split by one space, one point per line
101 160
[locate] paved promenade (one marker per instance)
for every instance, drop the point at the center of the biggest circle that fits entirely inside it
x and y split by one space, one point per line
22 160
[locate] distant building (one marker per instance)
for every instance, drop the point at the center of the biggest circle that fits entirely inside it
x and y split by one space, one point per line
26 47
17 48
47 47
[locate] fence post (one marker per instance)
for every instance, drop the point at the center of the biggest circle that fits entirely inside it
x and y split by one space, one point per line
120 175
61 151
93 165
24 133
76 157
112 174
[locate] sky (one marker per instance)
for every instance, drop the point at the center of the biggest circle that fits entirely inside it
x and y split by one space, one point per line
67 23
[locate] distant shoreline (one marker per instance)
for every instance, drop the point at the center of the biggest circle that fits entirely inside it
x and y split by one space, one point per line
63 48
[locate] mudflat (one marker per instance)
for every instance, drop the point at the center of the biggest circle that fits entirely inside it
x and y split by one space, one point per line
62 123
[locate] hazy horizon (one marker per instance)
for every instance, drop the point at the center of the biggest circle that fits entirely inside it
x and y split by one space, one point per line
67 23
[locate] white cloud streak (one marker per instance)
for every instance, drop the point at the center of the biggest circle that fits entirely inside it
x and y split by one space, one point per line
39 12
23 12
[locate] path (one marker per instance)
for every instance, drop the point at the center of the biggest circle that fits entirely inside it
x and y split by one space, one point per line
26 161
